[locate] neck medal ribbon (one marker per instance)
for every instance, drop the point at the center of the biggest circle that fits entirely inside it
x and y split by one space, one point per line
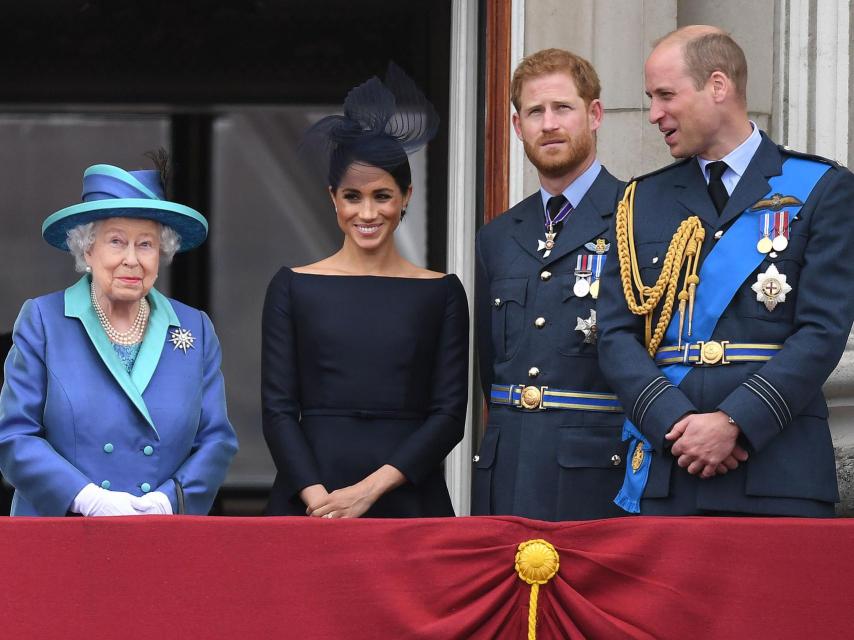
550 223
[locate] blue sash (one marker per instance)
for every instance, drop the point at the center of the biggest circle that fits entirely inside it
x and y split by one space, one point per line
724 270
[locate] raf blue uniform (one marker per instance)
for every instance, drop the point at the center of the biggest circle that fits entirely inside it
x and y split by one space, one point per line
552 463
70 414
778 402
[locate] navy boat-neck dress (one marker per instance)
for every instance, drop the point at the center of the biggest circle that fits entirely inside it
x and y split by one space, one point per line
362 371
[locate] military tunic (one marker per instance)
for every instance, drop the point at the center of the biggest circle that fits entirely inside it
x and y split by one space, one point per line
778 404
554 464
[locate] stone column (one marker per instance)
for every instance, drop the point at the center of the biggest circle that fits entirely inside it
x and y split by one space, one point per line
462 166
812 112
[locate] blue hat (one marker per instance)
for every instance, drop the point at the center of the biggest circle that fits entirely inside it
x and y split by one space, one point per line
110 192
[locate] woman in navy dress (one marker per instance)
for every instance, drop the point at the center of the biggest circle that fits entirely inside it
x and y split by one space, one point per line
365 355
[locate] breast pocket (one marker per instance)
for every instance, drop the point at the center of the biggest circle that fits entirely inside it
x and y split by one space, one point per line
508 315
572 310
788 265
650 256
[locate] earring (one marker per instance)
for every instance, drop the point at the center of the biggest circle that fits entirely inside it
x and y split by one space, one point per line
402 213
88 269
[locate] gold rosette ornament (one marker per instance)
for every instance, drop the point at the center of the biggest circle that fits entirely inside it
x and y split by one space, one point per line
537 562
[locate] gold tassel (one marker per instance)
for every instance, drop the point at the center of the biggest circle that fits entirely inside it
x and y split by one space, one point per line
682 253
537 562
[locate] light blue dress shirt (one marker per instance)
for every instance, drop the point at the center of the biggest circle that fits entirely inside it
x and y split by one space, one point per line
736 160
579 187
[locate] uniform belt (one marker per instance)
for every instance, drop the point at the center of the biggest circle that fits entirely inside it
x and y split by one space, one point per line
715 352
540 398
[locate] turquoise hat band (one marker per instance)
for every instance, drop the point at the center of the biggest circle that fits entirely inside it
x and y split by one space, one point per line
187 222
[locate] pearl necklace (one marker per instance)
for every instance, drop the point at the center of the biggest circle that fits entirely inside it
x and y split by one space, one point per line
126 338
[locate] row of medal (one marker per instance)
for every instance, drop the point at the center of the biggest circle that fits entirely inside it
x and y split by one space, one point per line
588 268
771 286
773 231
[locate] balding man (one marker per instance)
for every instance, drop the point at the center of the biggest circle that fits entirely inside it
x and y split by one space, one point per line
730 303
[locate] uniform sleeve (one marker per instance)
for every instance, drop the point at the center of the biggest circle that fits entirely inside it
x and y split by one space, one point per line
483 320
422 452
203 472
650 401
765 403
293 456
28 461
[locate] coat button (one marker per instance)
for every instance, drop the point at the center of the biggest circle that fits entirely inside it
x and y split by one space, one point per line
108 448
148 450
616 460
655 260
497 302
145 487
105 484
719 234
476 458
540 322
545 275
533 372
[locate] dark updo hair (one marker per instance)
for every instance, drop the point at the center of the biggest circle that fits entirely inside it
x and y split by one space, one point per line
383 153
382 123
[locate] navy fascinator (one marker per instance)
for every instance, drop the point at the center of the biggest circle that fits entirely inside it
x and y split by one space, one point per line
382 123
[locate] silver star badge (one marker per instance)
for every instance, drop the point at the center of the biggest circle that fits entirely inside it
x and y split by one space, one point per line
181 339
771 288
588 328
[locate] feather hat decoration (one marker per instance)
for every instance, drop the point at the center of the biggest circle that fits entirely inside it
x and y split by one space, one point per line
383 121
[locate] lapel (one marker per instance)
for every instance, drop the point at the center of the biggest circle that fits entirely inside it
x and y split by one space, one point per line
162 317
530 224
78 305
692 191
589 220
753 185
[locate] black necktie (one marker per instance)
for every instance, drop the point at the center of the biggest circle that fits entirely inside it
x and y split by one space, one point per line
717 190
553 206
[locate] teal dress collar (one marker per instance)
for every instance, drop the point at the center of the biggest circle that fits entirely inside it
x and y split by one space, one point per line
162 316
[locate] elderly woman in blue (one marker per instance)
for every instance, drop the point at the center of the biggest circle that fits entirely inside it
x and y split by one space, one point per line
113 401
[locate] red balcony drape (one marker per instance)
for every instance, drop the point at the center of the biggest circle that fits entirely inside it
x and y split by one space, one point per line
190 577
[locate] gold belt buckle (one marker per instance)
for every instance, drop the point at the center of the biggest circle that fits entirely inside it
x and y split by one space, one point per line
713 352
531 398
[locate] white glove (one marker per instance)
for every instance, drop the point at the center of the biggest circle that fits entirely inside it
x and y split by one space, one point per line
155 503
95 501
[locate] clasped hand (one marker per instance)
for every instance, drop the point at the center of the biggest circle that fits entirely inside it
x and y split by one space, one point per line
347 502
95 501
704 444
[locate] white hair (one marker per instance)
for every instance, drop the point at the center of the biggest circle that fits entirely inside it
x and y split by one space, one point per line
81 238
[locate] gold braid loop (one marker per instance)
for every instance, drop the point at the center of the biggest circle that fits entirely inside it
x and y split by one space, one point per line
683 252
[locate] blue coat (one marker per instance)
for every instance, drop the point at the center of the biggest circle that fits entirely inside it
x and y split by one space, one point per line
777 404
70 414
557 464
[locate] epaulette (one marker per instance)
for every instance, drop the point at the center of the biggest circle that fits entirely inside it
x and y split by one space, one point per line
659 170
808 156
